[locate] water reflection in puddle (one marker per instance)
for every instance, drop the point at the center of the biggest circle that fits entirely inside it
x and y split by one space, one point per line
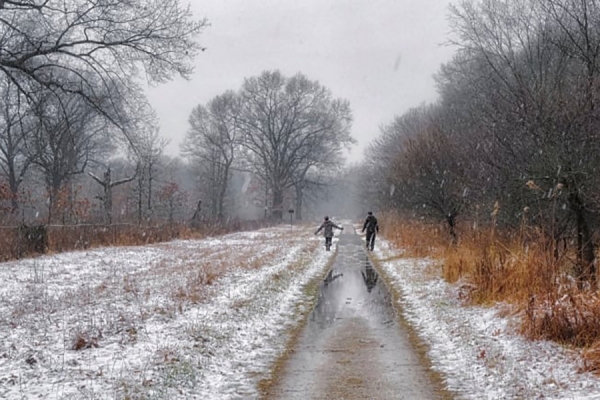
352 288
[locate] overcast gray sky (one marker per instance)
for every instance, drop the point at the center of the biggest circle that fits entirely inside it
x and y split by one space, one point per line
378 54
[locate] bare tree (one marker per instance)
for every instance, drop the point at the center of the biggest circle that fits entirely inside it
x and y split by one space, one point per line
15 126
148 149
577 22
429 178
211 144
95 49
68 134
288 123
321 158
107 185
416 168
383 154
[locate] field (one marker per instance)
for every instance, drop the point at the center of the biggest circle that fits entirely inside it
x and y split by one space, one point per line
182 319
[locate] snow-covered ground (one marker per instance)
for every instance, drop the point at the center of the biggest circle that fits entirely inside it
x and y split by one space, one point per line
206 319
476 349
180 320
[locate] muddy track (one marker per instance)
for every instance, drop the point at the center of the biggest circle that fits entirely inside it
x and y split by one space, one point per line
352 346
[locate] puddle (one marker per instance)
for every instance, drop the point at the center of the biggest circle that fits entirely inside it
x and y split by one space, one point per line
352 287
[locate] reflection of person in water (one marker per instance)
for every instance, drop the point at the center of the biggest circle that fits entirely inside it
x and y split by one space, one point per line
370 277
330 277
328 301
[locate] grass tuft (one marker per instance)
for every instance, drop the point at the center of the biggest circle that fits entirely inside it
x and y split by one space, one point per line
86 340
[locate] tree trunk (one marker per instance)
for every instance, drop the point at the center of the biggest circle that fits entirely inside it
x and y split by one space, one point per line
585 268
196 216
299 200
222 194
140 200
585 251
451 220
214 206
149 192
108 203
277 205
51 200
14 194
53 192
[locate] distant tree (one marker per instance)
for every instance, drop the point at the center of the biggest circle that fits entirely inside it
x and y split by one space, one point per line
211 145
148 149
5 199
68 134
172 199
310 182
429 177
15 129
290 124
108 184
381 175
323 160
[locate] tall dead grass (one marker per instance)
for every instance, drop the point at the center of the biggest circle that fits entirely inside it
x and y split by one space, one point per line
503 268
523 269
416 239
9 243
16 242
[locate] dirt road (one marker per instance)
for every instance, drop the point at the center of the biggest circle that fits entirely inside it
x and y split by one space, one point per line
352 346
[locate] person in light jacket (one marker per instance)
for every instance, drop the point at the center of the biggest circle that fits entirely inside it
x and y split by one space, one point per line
327 228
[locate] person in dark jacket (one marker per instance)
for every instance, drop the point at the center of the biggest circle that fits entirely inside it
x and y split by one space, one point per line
327 228
372 228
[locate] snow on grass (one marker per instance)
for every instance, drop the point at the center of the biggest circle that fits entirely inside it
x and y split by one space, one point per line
475 348
180 320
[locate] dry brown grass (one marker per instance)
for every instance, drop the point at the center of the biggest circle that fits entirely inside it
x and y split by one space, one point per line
204 267
76 237
491 267
86 340
591 358
60 238
9 243
570 317
196 280
503 269
517 268
415 238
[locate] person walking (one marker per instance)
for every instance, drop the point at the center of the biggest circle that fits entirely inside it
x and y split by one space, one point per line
372 228
327 228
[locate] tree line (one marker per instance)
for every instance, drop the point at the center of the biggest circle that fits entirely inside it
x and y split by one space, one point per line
288 133
77 133
71 76
514 137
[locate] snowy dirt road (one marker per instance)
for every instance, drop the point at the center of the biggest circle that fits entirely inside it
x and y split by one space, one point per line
352 346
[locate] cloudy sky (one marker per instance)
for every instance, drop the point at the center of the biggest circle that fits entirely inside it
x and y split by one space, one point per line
378 54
